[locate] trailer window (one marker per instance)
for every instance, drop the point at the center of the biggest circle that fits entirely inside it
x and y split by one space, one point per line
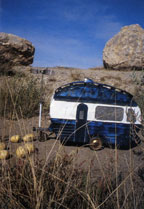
131 117
109 113
81 115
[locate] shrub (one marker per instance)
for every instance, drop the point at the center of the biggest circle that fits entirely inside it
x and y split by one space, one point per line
58 184
19 97
76 75
30 184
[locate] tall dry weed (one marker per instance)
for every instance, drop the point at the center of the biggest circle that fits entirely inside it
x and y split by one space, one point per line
19 95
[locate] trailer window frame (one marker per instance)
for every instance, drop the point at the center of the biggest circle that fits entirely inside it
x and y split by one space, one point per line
109 113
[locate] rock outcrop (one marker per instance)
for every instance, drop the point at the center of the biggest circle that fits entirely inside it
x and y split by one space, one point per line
15 51
126 49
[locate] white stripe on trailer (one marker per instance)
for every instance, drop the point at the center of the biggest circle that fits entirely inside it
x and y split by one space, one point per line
67 110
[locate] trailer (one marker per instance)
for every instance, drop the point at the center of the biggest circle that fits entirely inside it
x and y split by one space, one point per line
94 114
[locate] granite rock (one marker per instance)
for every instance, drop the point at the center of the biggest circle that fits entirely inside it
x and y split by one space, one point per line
126 49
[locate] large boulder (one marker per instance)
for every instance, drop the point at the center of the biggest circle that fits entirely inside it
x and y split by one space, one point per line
126 49
15 51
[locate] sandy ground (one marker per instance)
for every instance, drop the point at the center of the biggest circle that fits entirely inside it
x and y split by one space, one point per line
100 162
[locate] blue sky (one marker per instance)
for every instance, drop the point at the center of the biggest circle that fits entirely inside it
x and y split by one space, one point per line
69 33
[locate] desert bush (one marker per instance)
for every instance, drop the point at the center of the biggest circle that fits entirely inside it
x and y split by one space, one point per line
19 97
139 93
6 68
110 77
32 183
137 78
76 75
139 97
52 78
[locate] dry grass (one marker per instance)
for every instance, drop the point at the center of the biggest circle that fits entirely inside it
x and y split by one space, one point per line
59 183
77 75
20 97
106 78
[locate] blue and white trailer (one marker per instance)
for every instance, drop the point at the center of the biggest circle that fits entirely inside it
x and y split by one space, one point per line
92 113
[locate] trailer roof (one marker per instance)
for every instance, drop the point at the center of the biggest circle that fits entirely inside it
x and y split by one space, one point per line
92 92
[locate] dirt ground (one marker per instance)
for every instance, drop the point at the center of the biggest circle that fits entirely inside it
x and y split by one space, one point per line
99 162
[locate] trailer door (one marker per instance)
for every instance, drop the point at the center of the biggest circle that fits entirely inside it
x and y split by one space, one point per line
81 123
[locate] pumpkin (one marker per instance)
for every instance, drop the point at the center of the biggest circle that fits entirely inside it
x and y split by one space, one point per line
2 146
21 152
4 154
29 147
15 138
28 138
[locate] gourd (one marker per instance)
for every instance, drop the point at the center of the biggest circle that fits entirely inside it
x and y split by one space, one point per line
4 154
15 138
30 147
21 152
28 138
2 146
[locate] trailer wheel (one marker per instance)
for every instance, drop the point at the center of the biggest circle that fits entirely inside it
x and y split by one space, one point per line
95 144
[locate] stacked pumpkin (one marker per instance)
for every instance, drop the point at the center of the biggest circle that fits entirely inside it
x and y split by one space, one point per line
4 154
27 148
